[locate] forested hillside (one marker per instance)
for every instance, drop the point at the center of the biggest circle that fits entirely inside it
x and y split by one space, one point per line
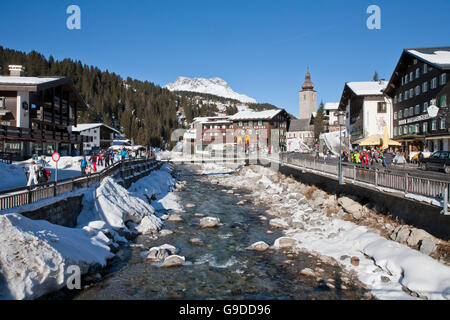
147 113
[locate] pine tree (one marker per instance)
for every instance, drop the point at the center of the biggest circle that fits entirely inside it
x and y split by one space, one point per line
319 121
375 76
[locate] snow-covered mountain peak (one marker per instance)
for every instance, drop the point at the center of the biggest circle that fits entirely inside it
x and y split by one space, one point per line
215 86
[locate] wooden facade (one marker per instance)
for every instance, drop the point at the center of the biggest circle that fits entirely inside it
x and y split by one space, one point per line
36 115
415 85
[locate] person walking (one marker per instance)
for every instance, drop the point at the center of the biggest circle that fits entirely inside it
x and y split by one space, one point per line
83 165
100 158
93 159
32 174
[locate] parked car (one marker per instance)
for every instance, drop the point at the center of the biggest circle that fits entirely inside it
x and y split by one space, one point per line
439 160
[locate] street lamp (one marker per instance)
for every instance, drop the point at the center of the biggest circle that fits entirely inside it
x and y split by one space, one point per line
341 121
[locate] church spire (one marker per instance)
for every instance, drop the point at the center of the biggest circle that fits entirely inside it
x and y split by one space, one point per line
308 85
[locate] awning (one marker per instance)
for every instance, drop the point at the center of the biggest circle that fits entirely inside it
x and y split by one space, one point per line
369 141
437 138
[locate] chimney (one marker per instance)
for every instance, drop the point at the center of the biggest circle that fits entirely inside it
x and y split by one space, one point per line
15 70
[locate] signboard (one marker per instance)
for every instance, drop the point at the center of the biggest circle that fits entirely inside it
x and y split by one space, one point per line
56 157
415 119
432 111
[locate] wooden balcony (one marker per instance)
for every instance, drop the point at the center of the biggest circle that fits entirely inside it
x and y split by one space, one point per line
8 132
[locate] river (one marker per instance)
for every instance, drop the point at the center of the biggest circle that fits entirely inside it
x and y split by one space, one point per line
222 268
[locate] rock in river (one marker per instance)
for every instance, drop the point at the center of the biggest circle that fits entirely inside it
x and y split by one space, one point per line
196 241
173 261
161 253
285 243
259 246
209 222
174 218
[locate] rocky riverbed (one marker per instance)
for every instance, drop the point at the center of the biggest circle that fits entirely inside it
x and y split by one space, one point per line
225 243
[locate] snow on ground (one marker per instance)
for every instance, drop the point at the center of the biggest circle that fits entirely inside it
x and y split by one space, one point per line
379 258
35 255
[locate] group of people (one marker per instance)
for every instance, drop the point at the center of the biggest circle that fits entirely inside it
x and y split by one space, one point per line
37 173
102 158
369 157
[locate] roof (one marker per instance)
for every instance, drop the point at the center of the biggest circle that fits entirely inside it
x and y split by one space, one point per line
87 126
367 88
331 106
33 81
300 125
255 115
437 56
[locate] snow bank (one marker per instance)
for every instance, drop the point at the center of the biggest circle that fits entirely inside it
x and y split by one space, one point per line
35 255
380 259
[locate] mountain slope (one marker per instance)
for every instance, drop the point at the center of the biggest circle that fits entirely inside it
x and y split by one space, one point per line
214 86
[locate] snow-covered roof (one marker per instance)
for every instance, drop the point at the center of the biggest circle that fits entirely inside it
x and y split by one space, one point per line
87 126
331 106
439 56
16 80
367 88
250 115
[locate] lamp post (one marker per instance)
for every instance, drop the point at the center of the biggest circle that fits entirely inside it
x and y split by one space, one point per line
341 121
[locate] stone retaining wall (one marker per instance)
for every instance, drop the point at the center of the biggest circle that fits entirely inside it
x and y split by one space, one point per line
411 212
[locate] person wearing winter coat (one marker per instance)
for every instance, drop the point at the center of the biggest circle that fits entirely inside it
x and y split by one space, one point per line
32 174
93 159
83 166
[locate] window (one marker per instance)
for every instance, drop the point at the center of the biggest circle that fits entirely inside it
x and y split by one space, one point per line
434 83
412 128
417 73
405 129
405 113
395 99
443 79
395 131
417 109
411 111
400 97
415 61
395 115
425 127
240 124
411 76
381 107
400 114
433 125
443 101
411 93
425 68
403 81
443 124
2 102
425 107
405 95
425 87
417 90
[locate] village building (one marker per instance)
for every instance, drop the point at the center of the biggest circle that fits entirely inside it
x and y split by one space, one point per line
263 130
368 110
420 80
331 110
103 136
300 135
36 115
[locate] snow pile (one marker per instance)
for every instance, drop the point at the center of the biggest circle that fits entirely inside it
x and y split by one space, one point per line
386 266
214 86
35 255
115 205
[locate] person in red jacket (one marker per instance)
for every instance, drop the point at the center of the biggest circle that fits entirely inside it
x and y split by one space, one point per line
93 159
364 158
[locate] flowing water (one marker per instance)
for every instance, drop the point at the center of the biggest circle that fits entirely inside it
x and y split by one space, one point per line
222 268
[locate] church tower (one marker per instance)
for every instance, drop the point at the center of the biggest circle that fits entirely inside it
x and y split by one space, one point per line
307 98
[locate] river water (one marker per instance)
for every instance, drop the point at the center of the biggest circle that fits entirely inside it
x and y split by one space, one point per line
222 268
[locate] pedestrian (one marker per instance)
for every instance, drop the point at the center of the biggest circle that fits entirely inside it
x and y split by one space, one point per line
93 159
32 174
100 158
83 165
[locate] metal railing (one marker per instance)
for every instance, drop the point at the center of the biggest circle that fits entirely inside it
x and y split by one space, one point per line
13 198
399 181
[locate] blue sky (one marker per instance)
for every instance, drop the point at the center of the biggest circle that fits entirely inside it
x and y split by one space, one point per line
261 48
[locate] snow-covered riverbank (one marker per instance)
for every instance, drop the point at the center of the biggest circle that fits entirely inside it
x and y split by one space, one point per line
392 270
35 255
